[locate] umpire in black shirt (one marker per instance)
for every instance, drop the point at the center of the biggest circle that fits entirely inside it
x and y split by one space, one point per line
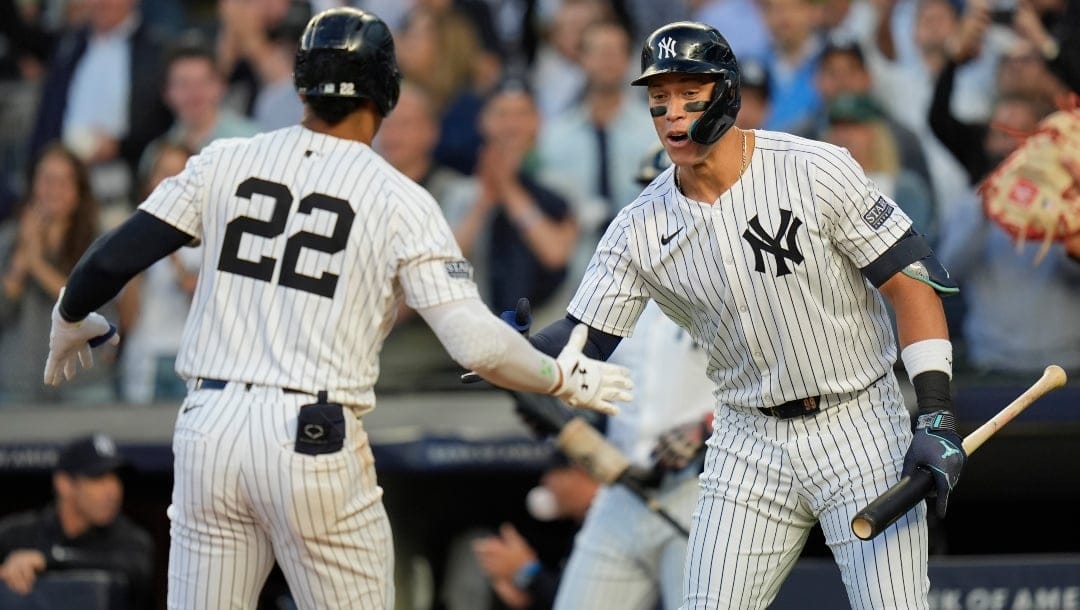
83 529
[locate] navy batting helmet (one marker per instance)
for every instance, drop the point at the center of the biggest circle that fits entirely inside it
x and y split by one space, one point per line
687 47
348 53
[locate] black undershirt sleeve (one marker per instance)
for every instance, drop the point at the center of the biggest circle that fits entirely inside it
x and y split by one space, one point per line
553 337
114 259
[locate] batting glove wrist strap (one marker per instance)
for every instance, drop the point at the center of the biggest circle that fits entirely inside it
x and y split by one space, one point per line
587 383
69 344
937 448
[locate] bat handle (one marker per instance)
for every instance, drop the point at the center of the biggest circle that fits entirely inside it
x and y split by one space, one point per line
890 506
651 503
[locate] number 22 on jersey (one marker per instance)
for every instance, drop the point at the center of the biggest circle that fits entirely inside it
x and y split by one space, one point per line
263 269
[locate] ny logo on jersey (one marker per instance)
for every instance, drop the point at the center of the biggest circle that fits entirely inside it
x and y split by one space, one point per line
666 48
761 241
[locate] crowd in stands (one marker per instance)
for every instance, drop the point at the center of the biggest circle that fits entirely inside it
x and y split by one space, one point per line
518 117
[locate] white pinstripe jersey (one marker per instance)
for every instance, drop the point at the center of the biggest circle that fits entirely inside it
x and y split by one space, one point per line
767 278
310 241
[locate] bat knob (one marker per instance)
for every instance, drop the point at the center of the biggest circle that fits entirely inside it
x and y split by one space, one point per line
471 377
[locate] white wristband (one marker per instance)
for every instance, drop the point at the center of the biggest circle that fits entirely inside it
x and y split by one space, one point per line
928 355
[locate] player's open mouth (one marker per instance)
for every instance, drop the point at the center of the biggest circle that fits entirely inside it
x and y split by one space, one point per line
678 138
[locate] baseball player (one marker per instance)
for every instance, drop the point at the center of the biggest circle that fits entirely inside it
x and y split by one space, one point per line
625 556
310 241
774 252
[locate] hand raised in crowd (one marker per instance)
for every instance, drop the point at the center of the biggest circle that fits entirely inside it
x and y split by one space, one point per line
1028 25
20 570
966 45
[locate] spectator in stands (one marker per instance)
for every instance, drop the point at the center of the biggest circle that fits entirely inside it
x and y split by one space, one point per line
755 95
38 248
194 91
791 62
83 530
529 230
858 124
904 84
1020 316
517 575
256 47
102 95
557 75
153 305
843 71
740 21
595 147
25 48
979 146
439 51
1053 29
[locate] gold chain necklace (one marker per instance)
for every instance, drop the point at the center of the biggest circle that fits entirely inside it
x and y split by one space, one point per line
743 168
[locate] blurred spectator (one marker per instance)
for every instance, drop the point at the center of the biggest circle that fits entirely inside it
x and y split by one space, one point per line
102 95
843 71
904 86
595 147
742 24
791 62
1022 71
645 16
754 95
979 147
7 199
83 529
848 19
439 52
154 304
858 124
256 47
1053 29
25 48
518 577
557 76
529 231
1020 316
38 248
194 91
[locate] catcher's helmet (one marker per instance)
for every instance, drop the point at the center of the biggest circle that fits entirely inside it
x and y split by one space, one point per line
687 47
349 53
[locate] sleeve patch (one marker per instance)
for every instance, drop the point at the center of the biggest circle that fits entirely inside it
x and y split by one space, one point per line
879 213
459 269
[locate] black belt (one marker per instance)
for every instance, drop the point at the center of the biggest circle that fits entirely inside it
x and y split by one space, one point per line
794 408
203 383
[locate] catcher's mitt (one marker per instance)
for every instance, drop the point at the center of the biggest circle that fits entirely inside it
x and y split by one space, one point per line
1032 194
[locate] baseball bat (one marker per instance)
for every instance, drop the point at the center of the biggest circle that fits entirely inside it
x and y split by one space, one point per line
585 446
902 497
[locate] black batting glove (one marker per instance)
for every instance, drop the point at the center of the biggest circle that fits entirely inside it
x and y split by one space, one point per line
936 446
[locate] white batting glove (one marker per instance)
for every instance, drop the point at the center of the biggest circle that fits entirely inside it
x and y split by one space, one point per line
590 384
70 342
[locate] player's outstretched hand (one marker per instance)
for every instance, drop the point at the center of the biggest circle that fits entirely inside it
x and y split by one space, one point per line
71 342
590 384
937 448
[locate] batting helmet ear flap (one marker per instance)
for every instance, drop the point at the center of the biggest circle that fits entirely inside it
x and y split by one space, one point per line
720 114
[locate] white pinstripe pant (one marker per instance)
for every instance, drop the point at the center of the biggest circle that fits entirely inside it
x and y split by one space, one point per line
766 483
625 556
242 497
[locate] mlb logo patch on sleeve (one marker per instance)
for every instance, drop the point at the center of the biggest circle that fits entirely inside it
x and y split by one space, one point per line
879 213
460 269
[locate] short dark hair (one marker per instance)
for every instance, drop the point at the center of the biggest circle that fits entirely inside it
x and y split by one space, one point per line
333 110
191 45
